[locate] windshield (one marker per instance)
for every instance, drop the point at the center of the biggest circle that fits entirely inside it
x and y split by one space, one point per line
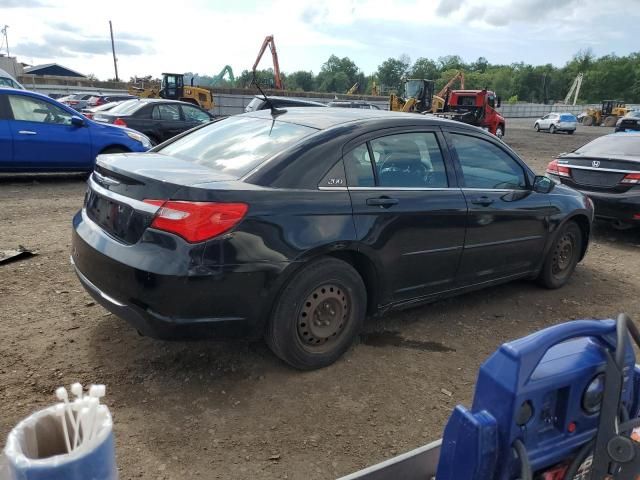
126 108
413 88
621 144
253 105
236 145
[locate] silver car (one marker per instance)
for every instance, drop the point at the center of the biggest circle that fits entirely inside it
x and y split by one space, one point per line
557 122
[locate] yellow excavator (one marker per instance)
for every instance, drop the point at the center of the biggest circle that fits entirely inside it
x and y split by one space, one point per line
173 88
607 115
418 97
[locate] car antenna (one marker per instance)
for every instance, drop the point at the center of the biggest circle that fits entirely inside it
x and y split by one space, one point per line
274 111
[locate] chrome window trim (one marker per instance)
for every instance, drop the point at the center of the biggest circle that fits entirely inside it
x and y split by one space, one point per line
579 167
116 197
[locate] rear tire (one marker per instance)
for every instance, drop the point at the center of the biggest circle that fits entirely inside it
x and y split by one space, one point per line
621 226
563 257
552 129
587 121
318 314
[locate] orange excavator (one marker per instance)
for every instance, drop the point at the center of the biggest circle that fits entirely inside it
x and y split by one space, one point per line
269 42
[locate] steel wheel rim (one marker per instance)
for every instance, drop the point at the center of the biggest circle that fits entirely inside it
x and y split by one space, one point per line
323 316
563 255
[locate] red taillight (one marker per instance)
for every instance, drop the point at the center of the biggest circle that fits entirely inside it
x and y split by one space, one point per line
196 221
100 101
560 170
120 122
631 178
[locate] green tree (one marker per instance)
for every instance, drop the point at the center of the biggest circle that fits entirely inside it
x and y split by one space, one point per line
301 80
392 71
424 68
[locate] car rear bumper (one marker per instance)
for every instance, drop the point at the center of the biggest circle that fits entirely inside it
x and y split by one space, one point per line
162 296
566 127
613 206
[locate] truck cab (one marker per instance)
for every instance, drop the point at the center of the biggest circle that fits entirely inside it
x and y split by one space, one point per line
476 107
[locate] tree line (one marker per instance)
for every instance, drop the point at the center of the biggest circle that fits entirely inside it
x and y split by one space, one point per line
606 77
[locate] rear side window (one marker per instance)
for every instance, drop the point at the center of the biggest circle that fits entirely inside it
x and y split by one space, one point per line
408 160
486 166
166 112
237 145
193 114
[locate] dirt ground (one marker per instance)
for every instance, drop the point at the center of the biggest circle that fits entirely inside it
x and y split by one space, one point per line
229 409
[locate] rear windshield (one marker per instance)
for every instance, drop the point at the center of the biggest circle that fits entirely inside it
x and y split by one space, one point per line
236 145
567 117
254 105
125 108
620 144
633 114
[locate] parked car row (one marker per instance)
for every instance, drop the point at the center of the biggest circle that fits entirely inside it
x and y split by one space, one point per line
38 133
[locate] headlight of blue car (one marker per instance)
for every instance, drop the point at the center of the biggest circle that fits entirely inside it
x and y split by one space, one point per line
138 137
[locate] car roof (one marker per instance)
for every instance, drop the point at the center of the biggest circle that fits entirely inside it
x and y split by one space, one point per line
324 118
302 101
634 133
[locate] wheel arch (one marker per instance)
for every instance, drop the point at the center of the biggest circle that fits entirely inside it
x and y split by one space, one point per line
585 227
114 146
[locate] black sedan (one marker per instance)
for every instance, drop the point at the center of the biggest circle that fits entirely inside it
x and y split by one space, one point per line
158 119
297 226
630 122
608 171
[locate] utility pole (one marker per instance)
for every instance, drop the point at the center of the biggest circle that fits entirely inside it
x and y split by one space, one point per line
113 49
6 38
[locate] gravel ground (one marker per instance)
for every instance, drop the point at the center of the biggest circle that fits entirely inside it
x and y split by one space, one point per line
230 409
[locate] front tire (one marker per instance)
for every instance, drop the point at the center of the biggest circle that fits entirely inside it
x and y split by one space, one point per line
563 257
537 127
587 121
318 314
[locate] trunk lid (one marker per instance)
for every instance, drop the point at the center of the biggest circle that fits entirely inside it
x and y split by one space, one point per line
121 182
598 173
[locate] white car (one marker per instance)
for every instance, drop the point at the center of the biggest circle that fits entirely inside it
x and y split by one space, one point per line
7 80
557 122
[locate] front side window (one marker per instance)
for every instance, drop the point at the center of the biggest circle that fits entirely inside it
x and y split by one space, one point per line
166 112
35 110
486 166
193 114
408 160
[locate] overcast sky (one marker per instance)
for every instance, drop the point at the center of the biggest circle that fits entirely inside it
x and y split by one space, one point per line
202 36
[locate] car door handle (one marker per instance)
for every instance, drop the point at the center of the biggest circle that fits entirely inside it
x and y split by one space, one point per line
26 132
384 202
483 201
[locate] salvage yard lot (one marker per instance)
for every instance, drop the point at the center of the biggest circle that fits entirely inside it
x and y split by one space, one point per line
230 409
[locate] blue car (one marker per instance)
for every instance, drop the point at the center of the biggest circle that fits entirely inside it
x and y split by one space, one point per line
39 134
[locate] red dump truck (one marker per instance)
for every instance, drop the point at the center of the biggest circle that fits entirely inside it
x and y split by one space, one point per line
475 107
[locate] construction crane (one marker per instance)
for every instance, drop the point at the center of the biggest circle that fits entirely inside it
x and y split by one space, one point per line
575 87
269 42
227 70
353 89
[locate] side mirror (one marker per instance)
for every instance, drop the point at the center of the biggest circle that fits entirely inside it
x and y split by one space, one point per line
498 102
77 121
542 184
